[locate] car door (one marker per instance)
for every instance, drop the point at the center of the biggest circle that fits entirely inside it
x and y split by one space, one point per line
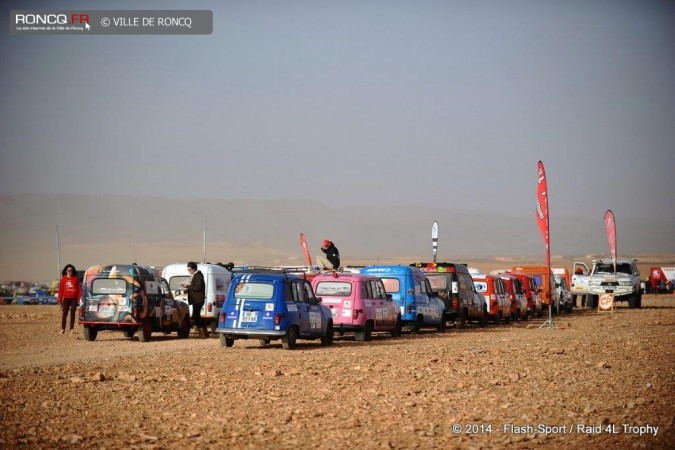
300 307
315 314
384 309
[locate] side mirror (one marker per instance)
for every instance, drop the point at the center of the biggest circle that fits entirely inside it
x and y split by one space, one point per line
390 297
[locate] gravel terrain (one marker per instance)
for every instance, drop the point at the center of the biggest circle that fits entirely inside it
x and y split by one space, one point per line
596 380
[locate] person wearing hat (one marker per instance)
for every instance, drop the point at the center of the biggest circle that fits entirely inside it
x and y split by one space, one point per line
332 259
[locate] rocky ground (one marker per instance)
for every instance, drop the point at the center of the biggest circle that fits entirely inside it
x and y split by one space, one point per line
596 380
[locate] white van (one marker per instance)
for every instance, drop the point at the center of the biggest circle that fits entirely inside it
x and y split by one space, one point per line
217 279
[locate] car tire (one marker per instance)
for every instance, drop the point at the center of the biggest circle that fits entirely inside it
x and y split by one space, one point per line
225 341
398 328
633 301
461 321
212 326
361 334
327 339
418 323
145 331
441 326
483 318
184 330
368 332
288 341
263 342
639 305
129 332
592 301
90 333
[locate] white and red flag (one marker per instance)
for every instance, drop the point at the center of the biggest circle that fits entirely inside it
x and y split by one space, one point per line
610 227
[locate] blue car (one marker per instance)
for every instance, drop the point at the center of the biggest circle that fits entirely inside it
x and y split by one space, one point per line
272 306
411 290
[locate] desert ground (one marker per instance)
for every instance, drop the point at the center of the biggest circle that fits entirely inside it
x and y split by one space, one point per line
594 380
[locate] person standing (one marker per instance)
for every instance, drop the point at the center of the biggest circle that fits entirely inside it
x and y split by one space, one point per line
196 291
332 259
68 296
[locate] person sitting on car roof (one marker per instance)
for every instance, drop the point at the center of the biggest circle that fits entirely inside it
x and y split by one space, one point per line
332 259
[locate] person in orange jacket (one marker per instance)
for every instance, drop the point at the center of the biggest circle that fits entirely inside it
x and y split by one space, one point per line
68 297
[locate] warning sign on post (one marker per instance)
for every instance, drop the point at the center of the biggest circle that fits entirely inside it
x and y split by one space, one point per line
606 303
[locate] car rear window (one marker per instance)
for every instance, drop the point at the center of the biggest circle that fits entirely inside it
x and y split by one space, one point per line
262 291
481 286
334 288
175 282
102 286
391 285
437 282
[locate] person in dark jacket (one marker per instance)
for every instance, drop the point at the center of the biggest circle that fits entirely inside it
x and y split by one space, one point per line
196 292
332 259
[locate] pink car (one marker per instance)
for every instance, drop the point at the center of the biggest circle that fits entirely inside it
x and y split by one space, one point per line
358 303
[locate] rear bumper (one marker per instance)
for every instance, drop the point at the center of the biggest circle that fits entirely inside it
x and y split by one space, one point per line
257 334
109 325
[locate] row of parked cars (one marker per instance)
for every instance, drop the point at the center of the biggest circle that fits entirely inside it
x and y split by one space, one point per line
291 303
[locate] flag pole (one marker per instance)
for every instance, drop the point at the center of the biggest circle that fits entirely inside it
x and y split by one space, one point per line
204 255
58 254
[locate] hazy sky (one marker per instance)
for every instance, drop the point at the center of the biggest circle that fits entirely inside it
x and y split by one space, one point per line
444 103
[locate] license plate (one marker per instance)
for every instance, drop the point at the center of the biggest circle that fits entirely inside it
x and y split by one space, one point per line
250 316
106 310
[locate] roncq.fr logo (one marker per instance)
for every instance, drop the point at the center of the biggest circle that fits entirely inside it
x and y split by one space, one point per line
51 19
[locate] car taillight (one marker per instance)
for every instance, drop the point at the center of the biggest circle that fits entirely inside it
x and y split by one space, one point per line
493 297
355 313
210 307
511 297
81 312
277 319
134 312
408 309
455 303
221 317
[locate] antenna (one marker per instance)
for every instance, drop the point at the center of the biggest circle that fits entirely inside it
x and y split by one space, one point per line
58 254
133 253
204 258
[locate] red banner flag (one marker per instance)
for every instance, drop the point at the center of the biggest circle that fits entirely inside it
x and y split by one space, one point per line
542 204
610 227
305 250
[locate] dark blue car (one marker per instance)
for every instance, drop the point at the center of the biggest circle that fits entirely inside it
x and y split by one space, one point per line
271 306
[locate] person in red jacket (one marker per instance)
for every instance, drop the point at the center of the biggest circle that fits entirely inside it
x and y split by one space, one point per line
68 297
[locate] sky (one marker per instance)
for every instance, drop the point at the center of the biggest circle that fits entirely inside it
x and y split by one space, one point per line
438 103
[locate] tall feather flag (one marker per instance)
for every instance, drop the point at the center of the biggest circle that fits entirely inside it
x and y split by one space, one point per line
542 213
305 250
542 205
434 240
610 227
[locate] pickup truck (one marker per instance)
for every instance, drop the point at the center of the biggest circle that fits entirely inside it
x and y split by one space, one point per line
624 283
579 282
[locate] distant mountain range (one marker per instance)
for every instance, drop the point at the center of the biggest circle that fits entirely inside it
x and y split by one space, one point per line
158 231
